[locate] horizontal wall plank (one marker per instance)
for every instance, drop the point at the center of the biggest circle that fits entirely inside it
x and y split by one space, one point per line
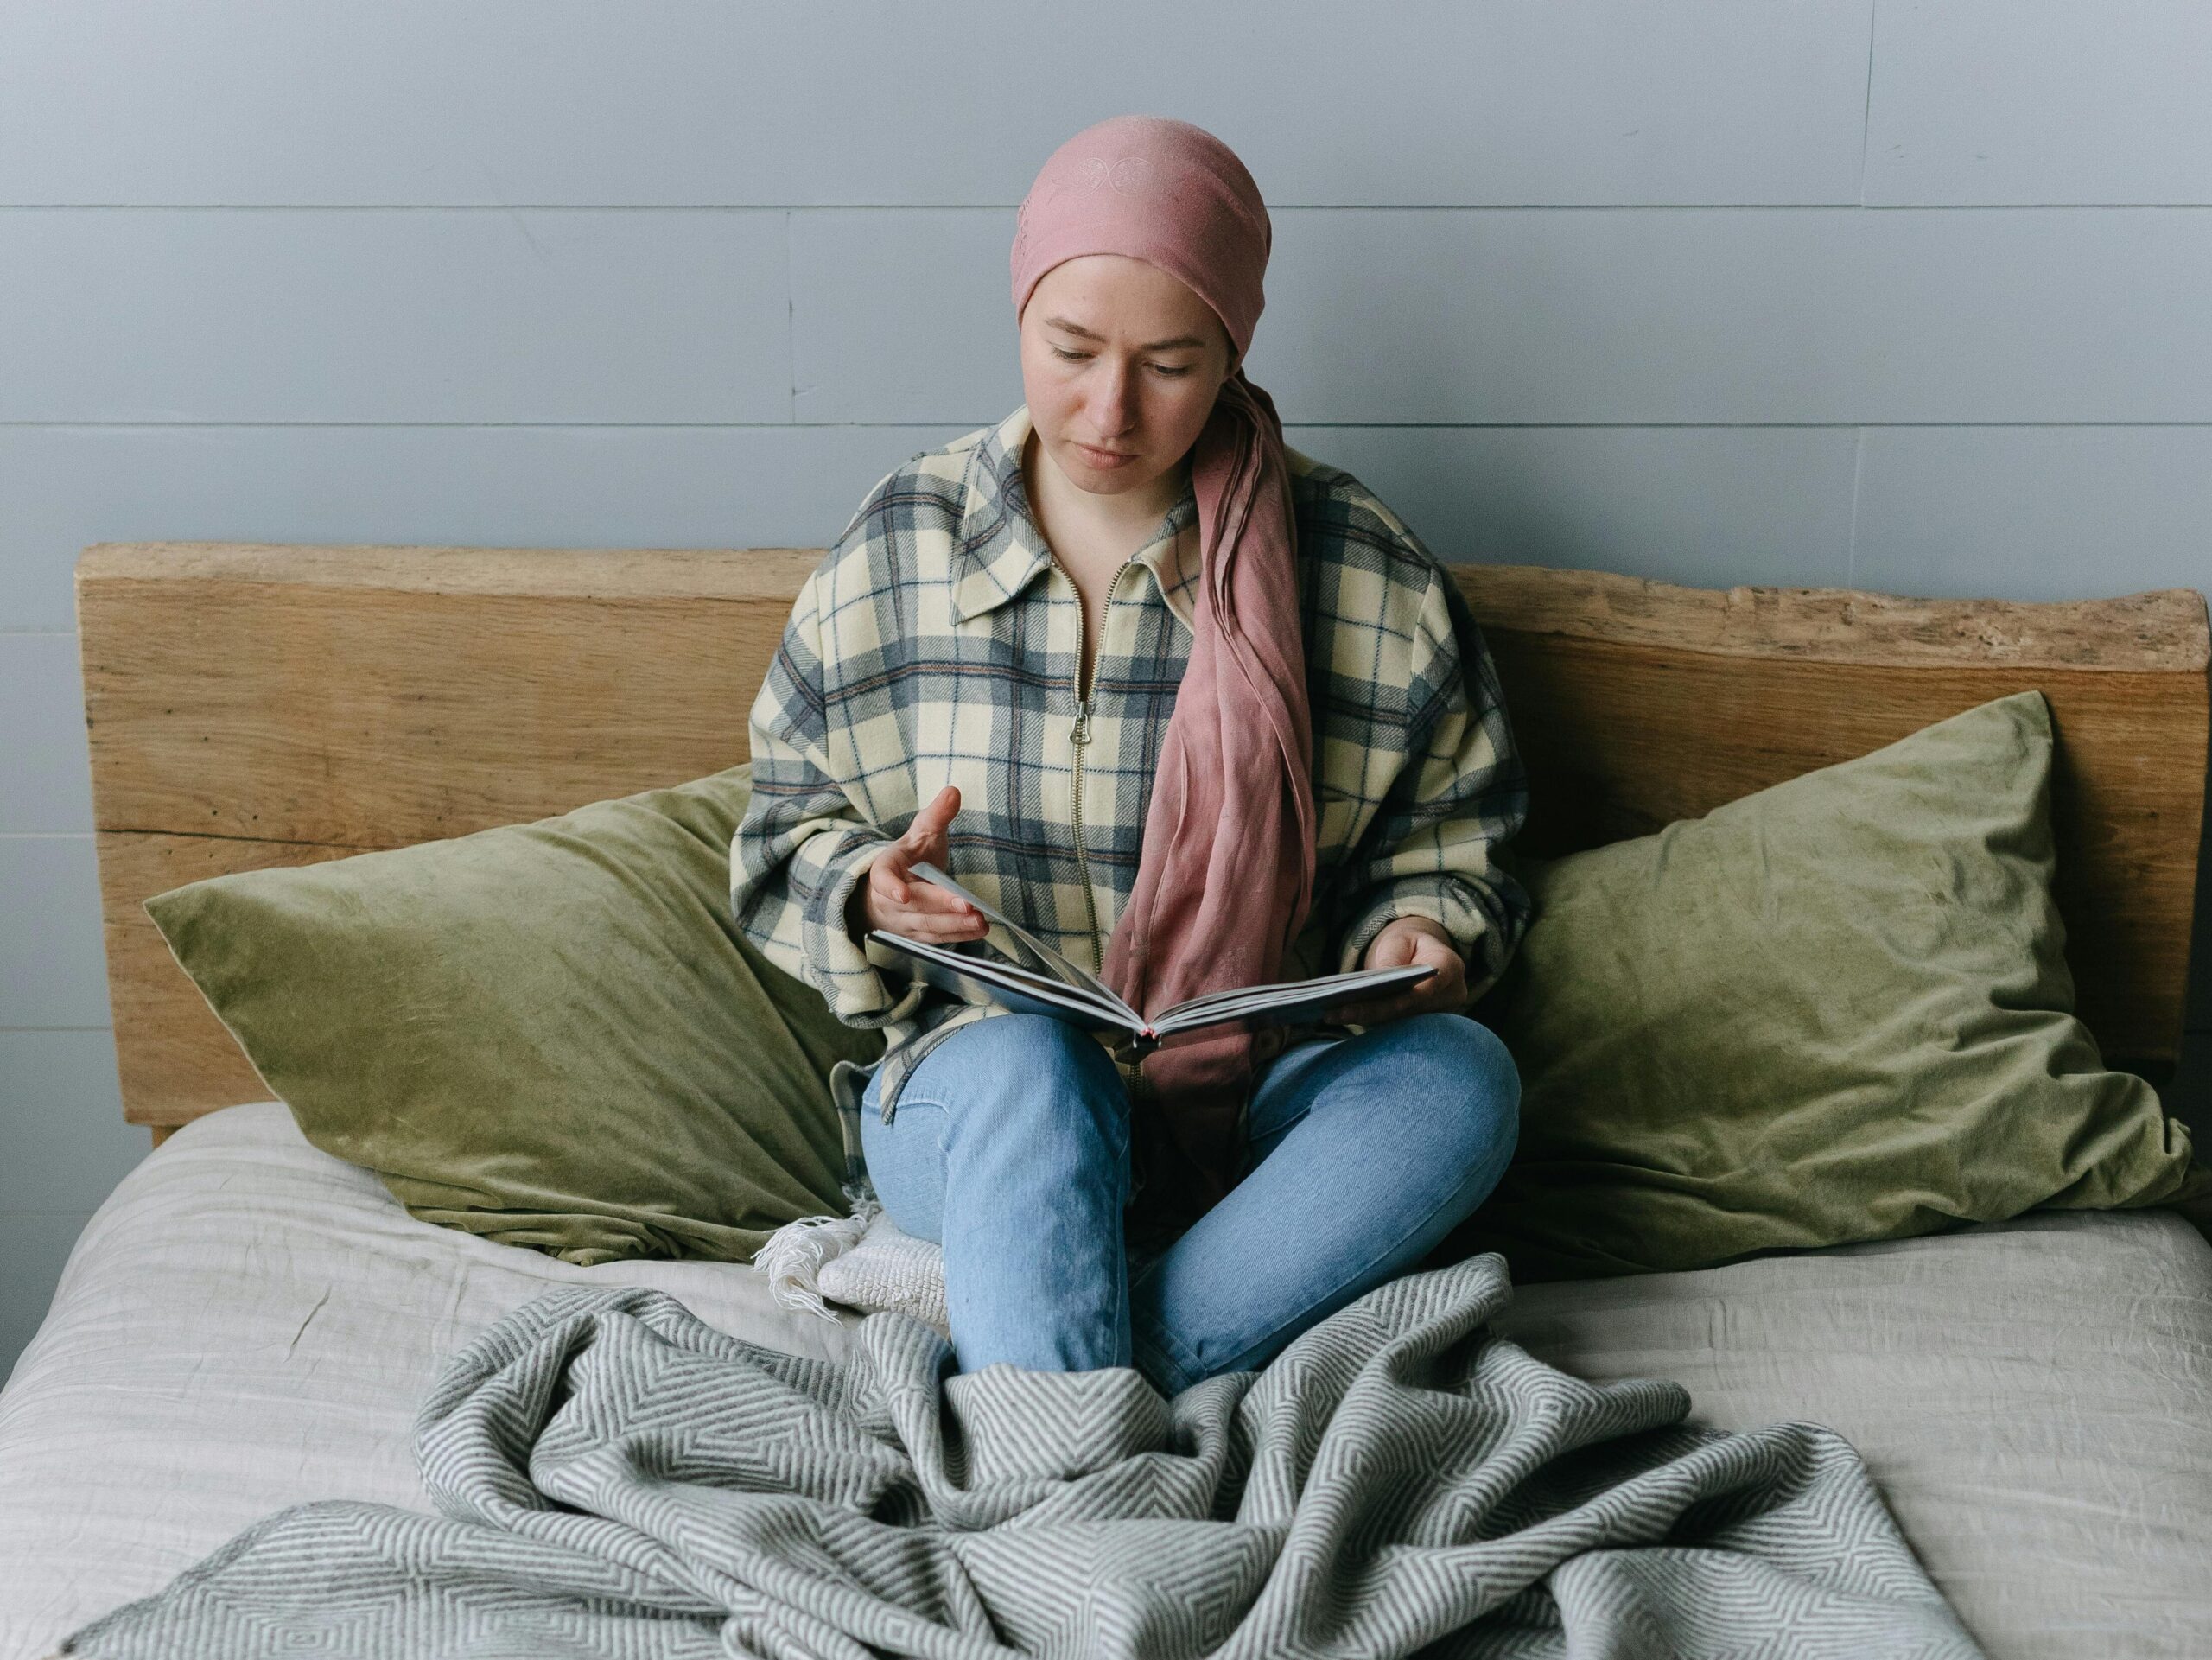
1586 314
436 315
1698 505
46 784
61 1121
1704 507
2034 512
1985 101
1480 315
35 1247
2013 512
564 101
53 971
64 488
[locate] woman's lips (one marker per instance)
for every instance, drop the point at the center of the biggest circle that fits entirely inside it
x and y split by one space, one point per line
1102 458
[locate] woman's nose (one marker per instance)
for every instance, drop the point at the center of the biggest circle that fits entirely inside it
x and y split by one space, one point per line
1114 411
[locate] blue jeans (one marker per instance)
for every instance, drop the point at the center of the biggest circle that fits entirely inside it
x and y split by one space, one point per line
1010 1148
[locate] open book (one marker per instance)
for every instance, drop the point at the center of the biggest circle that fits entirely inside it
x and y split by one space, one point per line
1070 992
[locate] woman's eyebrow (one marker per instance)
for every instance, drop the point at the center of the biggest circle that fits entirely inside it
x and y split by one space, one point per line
1152 346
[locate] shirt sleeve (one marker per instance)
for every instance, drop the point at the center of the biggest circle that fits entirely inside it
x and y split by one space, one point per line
803 845
1459 796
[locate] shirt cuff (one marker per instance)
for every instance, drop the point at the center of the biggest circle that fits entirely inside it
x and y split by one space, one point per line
854 980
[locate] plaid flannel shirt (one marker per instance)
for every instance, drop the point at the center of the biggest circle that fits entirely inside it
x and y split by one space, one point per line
938 642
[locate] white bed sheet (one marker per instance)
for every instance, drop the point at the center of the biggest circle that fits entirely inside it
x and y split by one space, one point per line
248 1323
2033 1398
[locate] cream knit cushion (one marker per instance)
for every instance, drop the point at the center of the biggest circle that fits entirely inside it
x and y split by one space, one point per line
861 1262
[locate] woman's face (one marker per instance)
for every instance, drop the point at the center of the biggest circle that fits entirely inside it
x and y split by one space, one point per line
1117 355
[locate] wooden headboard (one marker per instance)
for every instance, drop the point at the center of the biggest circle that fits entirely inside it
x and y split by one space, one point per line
250 706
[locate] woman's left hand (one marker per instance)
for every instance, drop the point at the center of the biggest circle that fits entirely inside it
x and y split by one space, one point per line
1403 940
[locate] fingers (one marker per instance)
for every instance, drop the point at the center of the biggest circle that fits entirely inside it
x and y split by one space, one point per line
936 817
900 888
938 925
938 909
887 875
918 910
926 838
938 930
899 904
1394 950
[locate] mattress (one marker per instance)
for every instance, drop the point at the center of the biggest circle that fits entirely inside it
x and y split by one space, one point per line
248 1323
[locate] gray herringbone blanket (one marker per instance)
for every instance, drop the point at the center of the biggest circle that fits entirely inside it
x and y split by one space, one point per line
616 1478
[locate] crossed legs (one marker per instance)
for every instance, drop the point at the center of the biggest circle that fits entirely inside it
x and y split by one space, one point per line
1010 1148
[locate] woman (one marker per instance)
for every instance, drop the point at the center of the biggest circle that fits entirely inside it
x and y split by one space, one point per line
1201 712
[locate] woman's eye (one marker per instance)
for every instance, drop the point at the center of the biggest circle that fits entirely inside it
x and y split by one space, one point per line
1081 357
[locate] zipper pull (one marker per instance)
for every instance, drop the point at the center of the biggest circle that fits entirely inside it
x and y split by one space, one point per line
1082 734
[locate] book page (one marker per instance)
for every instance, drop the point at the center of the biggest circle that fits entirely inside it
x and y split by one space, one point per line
991 979
1288 999
1073 973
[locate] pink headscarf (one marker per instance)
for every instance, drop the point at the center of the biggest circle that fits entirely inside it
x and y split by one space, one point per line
1226 875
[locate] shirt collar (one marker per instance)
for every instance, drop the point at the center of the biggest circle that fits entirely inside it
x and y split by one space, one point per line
1001 550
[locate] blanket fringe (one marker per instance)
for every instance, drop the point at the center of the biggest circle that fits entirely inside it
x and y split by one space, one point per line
794 1255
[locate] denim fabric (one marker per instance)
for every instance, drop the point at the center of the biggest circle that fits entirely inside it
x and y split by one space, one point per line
1010 1147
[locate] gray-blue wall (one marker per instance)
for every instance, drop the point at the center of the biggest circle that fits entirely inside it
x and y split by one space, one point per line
1916 298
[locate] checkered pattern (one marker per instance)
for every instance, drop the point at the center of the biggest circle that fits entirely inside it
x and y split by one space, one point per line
938 642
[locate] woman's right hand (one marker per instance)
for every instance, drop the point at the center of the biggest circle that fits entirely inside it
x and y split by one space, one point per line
892 899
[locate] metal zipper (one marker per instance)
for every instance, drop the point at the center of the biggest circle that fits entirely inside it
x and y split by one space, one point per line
1081 738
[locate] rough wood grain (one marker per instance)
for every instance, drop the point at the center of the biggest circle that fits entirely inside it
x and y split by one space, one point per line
379 713
256 705
2162 630
548 573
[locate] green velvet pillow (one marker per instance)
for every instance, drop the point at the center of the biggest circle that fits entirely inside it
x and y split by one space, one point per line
1834 1010
550 1034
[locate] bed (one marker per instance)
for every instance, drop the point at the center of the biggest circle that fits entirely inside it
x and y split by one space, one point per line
248 1322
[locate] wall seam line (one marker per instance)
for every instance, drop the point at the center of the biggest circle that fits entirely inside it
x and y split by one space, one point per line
1867 113
1851 542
